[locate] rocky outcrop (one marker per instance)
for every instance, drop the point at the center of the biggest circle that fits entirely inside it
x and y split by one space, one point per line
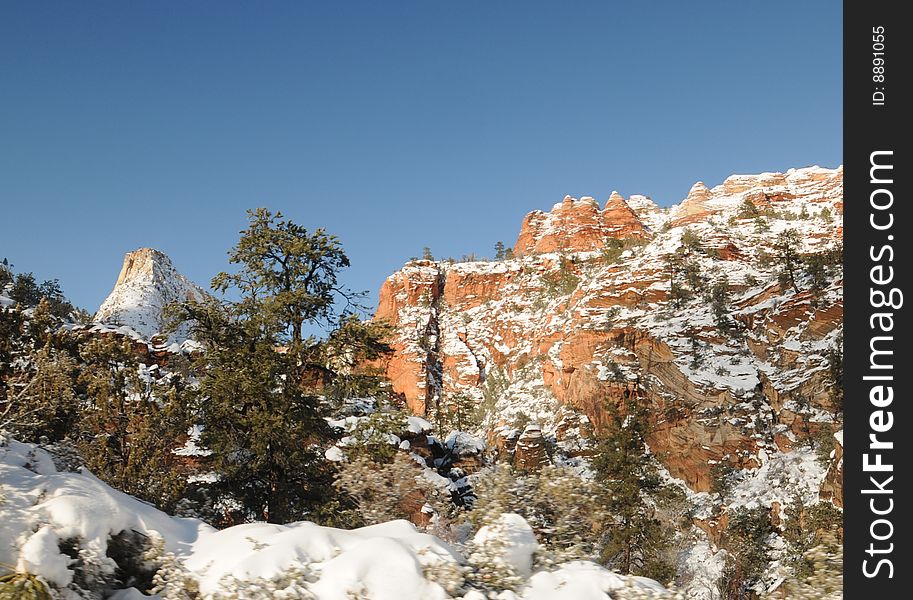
578 226
530 454
147 283
567 325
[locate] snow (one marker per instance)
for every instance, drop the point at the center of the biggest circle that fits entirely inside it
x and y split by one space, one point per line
382 558
464 444
700 566
41 506
40 556
147 283
130 594
419 425
780 478
579 580
389 561
335 454
521 544
192 446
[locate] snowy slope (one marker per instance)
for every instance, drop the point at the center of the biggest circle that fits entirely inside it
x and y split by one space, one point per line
148 282
41 507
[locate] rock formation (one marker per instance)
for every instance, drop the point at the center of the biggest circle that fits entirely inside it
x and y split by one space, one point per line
566 326
147 283
578 226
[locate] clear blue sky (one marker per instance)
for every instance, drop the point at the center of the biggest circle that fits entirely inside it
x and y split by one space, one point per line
395 125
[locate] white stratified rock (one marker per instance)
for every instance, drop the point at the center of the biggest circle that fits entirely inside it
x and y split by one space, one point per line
147 283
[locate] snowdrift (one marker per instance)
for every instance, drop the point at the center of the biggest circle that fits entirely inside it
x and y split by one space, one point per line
48 516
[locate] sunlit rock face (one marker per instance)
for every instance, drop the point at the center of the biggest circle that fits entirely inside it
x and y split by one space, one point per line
582 318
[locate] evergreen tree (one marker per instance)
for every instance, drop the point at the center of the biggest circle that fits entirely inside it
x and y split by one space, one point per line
455 412
508 253
130 424
347 360
24 290
719 305
820 266
788 259
835 374
635 541
262 383
746 541
287 276
259 421
426 253
499 250
46 405
6 273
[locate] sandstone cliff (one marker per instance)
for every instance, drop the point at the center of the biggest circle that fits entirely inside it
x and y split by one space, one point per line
583 316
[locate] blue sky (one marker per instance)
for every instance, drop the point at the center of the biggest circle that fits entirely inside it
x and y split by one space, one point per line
395 125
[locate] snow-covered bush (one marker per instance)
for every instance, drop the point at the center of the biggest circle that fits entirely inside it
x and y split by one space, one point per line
292 583
501 554
86 540
386 492
23 586
564 510
825 582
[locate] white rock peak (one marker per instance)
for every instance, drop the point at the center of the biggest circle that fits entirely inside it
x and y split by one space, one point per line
148 282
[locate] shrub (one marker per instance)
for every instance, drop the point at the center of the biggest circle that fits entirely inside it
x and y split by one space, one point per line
835 374
23 586
372 435
561 282
385 492
823 579
612 251
722 477
745 539
748 210
567 513
692 241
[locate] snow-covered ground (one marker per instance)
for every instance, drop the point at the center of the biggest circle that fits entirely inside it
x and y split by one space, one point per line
48 516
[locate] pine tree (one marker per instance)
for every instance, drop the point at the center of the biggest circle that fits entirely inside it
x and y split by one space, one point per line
835 374
426 253
499 250
455 412
635 540
262 383
259 421
129 426
719 305
24 290
6 273
678 293
788 260
44 402
287 276
745 540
